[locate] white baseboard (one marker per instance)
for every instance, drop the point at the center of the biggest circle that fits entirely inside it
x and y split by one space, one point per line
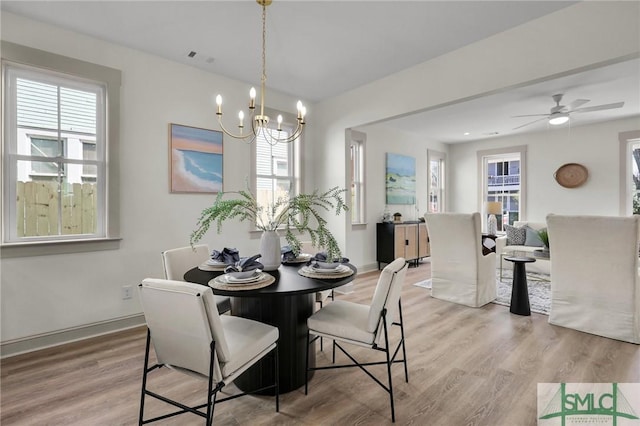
56 338
367 268
23 345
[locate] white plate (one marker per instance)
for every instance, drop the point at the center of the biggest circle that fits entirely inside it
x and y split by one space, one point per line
212 262
206 267
324 271
302 258
233 280
325 265
243 274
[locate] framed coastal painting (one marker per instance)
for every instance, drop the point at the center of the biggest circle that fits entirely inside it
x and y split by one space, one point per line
195 159
400 179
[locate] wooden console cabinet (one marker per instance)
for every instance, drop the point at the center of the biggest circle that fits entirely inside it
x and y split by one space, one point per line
407 239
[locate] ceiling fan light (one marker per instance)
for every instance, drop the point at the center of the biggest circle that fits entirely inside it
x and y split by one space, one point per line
557 119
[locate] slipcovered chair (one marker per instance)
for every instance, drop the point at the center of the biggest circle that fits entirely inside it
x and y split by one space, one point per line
178 261
460 273
366 326
595 285
191 337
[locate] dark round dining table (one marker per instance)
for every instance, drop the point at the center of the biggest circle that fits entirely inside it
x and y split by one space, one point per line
286 304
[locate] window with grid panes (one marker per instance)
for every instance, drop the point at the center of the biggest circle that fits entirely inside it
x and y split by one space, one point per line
357 163
49 119
276 174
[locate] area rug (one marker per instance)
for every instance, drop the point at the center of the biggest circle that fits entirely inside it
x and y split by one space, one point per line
539 290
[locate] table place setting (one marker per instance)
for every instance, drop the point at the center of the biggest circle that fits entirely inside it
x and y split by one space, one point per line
219 260
318 267
289 257
245 274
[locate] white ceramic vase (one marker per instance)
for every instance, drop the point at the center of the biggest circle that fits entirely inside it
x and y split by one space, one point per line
270 250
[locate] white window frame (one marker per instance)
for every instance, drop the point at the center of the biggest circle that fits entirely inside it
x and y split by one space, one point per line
33 136
440 191
627 190
357 173
294 153
14 55
483 157
88 142
12 72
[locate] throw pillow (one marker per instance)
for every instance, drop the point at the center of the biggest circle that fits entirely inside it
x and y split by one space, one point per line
515 236
532 238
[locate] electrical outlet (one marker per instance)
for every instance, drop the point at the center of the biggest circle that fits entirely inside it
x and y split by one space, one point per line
127 292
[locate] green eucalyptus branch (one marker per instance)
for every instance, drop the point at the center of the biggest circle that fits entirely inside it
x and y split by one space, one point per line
301 213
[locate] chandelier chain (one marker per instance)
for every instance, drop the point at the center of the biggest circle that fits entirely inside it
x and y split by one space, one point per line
264 43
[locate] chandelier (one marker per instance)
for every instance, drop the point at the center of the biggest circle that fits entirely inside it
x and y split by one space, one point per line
260 122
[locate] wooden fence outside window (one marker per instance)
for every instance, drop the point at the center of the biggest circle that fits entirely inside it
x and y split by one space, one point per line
39 213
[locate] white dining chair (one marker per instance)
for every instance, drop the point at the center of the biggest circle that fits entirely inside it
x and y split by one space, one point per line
190 336
179 260
460 272
366 326
595 282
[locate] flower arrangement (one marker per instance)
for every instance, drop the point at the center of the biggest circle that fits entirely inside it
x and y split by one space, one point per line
301 213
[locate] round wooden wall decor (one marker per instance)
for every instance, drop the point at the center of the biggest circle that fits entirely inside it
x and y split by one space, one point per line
571 175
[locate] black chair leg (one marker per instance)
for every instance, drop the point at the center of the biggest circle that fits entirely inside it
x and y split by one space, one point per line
144 377
211 394
277 381
389 362
306 368
211 406
320 302
404 350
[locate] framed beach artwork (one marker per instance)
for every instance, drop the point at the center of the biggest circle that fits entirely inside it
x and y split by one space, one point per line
400 179
195 157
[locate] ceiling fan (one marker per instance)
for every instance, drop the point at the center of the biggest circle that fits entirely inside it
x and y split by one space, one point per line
559 114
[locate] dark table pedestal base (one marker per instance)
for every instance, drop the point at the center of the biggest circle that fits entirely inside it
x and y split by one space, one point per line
289 313
520 291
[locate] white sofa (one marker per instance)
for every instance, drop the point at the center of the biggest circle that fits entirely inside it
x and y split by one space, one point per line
542 266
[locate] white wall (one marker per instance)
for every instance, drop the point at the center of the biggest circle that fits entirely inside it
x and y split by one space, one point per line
595 146
584 35
49 293
361 241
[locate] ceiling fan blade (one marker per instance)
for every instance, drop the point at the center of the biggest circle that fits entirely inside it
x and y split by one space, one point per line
600 107
530 115
531 122
577 103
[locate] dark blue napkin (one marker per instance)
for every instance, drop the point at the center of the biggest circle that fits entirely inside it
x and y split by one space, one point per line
228 256
322 257
287 254
246 264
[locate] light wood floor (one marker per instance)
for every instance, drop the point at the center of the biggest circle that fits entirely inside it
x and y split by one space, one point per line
466 367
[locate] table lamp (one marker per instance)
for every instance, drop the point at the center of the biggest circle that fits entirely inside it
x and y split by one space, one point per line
493 208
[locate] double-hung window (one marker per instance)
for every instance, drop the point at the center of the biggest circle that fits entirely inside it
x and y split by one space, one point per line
502 181
436 182
54 156
277 174
630 168
357 163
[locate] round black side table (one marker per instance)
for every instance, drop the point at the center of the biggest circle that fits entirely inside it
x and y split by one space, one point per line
520 291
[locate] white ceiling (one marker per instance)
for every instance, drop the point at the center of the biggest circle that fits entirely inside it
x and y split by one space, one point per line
492 115
317 49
